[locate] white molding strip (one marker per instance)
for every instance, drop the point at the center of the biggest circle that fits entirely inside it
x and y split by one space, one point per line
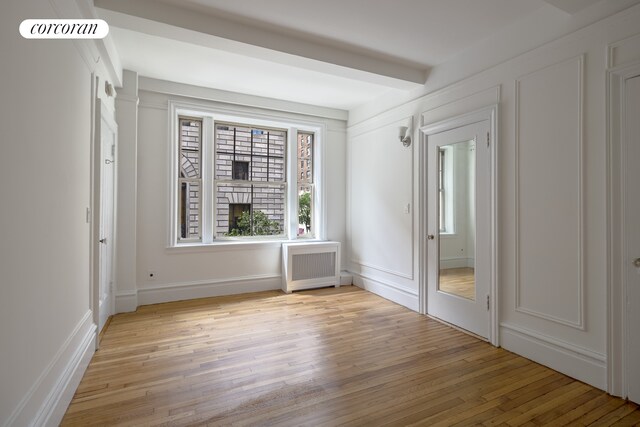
47 401
574 361
392 292
208 288
126 301
209 94
617 322
580 324
346 278
457 262
382 269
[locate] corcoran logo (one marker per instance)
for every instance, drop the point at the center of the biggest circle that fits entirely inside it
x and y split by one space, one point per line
64 29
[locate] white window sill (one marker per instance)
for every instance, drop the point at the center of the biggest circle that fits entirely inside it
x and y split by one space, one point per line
233 245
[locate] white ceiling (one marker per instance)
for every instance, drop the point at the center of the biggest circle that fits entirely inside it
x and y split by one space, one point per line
332 53
168 59
423 32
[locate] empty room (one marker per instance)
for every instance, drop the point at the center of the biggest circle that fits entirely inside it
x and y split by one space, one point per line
320 213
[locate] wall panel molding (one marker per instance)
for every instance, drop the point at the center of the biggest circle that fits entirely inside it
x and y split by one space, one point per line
355 145
552 122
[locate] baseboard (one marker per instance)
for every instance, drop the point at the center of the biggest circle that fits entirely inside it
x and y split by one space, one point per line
457 263
346 278
205 289
46 402
576 362
126 301
388 291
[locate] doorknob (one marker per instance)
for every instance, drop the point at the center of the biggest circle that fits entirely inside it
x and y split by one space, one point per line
636 262
103 240
430 236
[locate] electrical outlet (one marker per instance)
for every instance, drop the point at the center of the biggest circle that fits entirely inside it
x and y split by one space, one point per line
151 275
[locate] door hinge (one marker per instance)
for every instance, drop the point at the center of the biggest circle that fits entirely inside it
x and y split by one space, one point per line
488 302
488 139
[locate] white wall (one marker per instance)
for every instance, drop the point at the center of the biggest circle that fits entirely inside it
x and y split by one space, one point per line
46 326
380 230
181 273
552 157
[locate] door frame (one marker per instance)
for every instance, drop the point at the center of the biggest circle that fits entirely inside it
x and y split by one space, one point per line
101 112
617 327
489 113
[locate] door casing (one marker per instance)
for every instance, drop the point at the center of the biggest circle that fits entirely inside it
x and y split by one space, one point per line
100 114
489 113
617 318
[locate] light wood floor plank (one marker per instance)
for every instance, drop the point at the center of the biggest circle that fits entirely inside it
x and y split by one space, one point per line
323 357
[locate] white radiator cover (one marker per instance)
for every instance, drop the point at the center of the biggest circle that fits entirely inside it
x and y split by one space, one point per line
309 265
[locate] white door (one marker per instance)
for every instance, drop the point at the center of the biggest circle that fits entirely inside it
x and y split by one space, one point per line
631 238
458 227
105 244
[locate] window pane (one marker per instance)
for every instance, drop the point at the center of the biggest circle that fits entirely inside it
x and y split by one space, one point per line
189 207
305 184
240 170
305 157
190 138
249 209
262 149
305 208
189 203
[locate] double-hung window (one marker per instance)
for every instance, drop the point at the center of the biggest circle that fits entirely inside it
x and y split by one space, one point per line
239 178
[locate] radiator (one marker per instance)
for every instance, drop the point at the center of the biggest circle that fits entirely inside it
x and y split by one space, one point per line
310 265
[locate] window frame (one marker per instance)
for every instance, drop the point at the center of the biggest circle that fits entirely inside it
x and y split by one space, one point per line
449 189
188 182
210 117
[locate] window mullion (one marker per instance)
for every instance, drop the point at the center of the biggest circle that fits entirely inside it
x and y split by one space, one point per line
208 168
291 187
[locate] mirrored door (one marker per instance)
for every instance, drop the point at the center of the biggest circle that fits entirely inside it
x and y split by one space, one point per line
458 224
456 219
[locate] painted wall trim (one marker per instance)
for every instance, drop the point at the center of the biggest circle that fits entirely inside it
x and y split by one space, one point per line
574 361
208 288
47 400
346 278
387 290
244 100
126 301
580 324
617 323
457 262
383 269
407 275
491 113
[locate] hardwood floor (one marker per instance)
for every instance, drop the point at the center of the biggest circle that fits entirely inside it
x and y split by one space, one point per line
324 357
459 281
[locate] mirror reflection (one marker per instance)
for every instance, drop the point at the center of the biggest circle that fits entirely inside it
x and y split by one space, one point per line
457 233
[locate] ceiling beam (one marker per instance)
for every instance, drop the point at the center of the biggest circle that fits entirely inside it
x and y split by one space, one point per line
571 6
169 21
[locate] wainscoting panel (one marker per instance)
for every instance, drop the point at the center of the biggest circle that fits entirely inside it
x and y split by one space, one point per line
549 186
